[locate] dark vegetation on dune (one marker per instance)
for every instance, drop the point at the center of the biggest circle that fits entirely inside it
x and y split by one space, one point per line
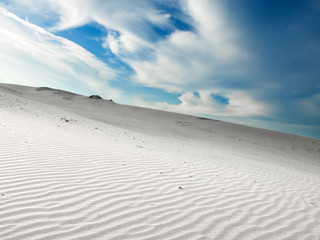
95 97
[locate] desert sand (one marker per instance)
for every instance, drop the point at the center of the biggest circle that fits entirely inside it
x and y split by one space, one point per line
72 167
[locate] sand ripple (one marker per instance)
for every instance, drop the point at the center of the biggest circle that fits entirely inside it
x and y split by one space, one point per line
72 181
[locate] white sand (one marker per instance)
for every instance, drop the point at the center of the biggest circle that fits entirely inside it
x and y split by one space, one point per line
78 168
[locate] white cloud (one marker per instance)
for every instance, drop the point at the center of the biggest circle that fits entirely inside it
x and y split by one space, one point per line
131 18
182 61
239 104
32 56
188 60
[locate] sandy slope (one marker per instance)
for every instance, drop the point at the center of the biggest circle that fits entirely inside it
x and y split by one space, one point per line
78 168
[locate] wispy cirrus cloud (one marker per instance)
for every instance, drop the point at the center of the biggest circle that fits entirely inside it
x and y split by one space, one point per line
186 60
32 56
173 61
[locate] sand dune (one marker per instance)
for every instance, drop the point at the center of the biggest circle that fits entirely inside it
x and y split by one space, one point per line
78 168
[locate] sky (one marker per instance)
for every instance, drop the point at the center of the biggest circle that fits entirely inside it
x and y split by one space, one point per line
249 62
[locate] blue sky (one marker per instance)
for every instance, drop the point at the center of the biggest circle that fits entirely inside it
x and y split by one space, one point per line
248 62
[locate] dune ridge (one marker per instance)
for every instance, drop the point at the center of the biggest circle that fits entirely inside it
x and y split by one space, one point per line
91 178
